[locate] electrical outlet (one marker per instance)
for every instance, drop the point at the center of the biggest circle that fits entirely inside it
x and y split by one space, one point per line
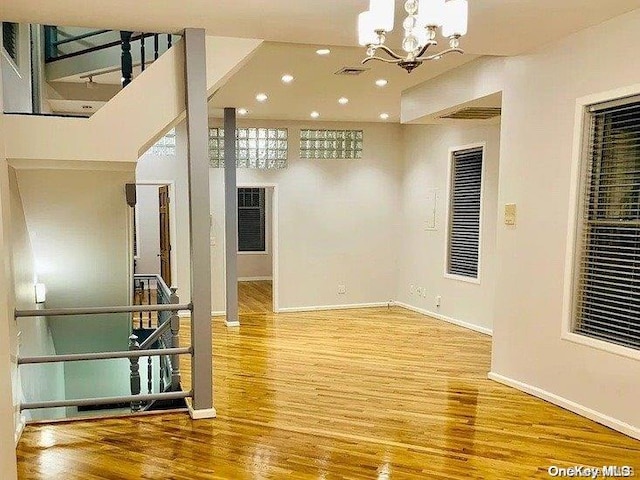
419 291
342 289
412 289
424 292
438 301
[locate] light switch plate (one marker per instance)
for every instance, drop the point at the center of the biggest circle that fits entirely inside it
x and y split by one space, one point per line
510 214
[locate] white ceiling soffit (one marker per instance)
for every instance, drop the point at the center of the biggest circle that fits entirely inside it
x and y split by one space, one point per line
316 87
496 27
466 111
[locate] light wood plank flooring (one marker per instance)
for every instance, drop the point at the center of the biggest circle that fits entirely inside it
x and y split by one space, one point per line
255 297
358 394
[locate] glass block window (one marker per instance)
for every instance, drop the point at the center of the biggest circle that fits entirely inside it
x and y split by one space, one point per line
165 146
329 144
261 148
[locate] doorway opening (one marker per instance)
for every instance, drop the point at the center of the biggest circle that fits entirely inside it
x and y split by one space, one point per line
256 249
154 231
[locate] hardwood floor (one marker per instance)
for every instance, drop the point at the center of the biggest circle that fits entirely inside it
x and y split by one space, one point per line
255 297
358 394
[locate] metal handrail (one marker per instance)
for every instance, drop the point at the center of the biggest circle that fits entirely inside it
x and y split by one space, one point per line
77 357
80 37
98 48
105 400
156 335
57 312
158 279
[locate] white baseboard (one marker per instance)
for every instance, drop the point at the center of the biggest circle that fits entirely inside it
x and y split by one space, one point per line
214 313
201 414
320 308
232 324
607 421
254 279
20 428
460 323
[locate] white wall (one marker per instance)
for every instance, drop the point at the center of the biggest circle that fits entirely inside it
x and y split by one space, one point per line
539 97
422 252
536 158
34 382
334 217
260 265
167 169
148 229
8 347
16 77
78 222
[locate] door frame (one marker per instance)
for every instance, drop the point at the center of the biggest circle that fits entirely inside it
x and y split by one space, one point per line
274 233
172 223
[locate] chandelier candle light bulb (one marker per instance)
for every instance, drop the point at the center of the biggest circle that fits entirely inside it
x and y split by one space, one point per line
455 18
382 14
424 18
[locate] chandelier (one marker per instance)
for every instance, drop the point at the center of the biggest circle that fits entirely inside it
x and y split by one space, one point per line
424 17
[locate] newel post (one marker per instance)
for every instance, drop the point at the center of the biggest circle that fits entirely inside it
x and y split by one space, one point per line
125 57
135 372
175 343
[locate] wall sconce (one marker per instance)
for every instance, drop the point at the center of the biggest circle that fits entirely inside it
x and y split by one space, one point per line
41 292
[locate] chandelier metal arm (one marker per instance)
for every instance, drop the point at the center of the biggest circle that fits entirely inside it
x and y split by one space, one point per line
436 56
388 51
430 43
381 59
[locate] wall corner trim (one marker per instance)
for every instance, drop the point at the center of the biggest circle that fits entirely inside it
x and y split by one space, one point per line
20 428
602 419
437 316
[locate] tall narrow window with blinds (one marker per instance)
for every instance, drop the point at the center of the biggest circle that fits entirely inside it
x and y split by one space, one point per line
251 220
463 244
10 40
607 297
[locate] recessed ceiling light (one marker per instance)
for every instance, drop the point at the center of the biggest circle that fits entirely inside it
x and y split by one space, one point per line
323 51
384 116
381 82
343 100
315 114
262 97
243 111
287 78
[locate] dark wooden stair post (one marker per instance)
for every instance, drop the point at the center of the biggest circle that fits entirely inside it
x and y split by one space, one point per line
126 60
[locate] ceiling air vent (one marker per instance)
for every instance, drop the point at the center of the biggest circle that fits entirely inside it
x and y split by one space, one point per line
475 113
351 71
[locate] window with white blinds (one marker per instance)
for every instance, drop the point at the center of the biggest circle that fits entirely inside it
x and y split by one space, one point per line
251 220
607 299
463 243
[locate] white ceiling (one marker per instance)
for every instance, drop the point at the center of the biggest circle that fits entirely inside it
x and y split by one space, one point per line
496 27
317 88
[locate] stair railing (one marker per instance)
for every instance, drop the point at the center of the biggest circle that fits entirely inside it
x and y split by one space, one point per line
165 336
127 38
133 354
